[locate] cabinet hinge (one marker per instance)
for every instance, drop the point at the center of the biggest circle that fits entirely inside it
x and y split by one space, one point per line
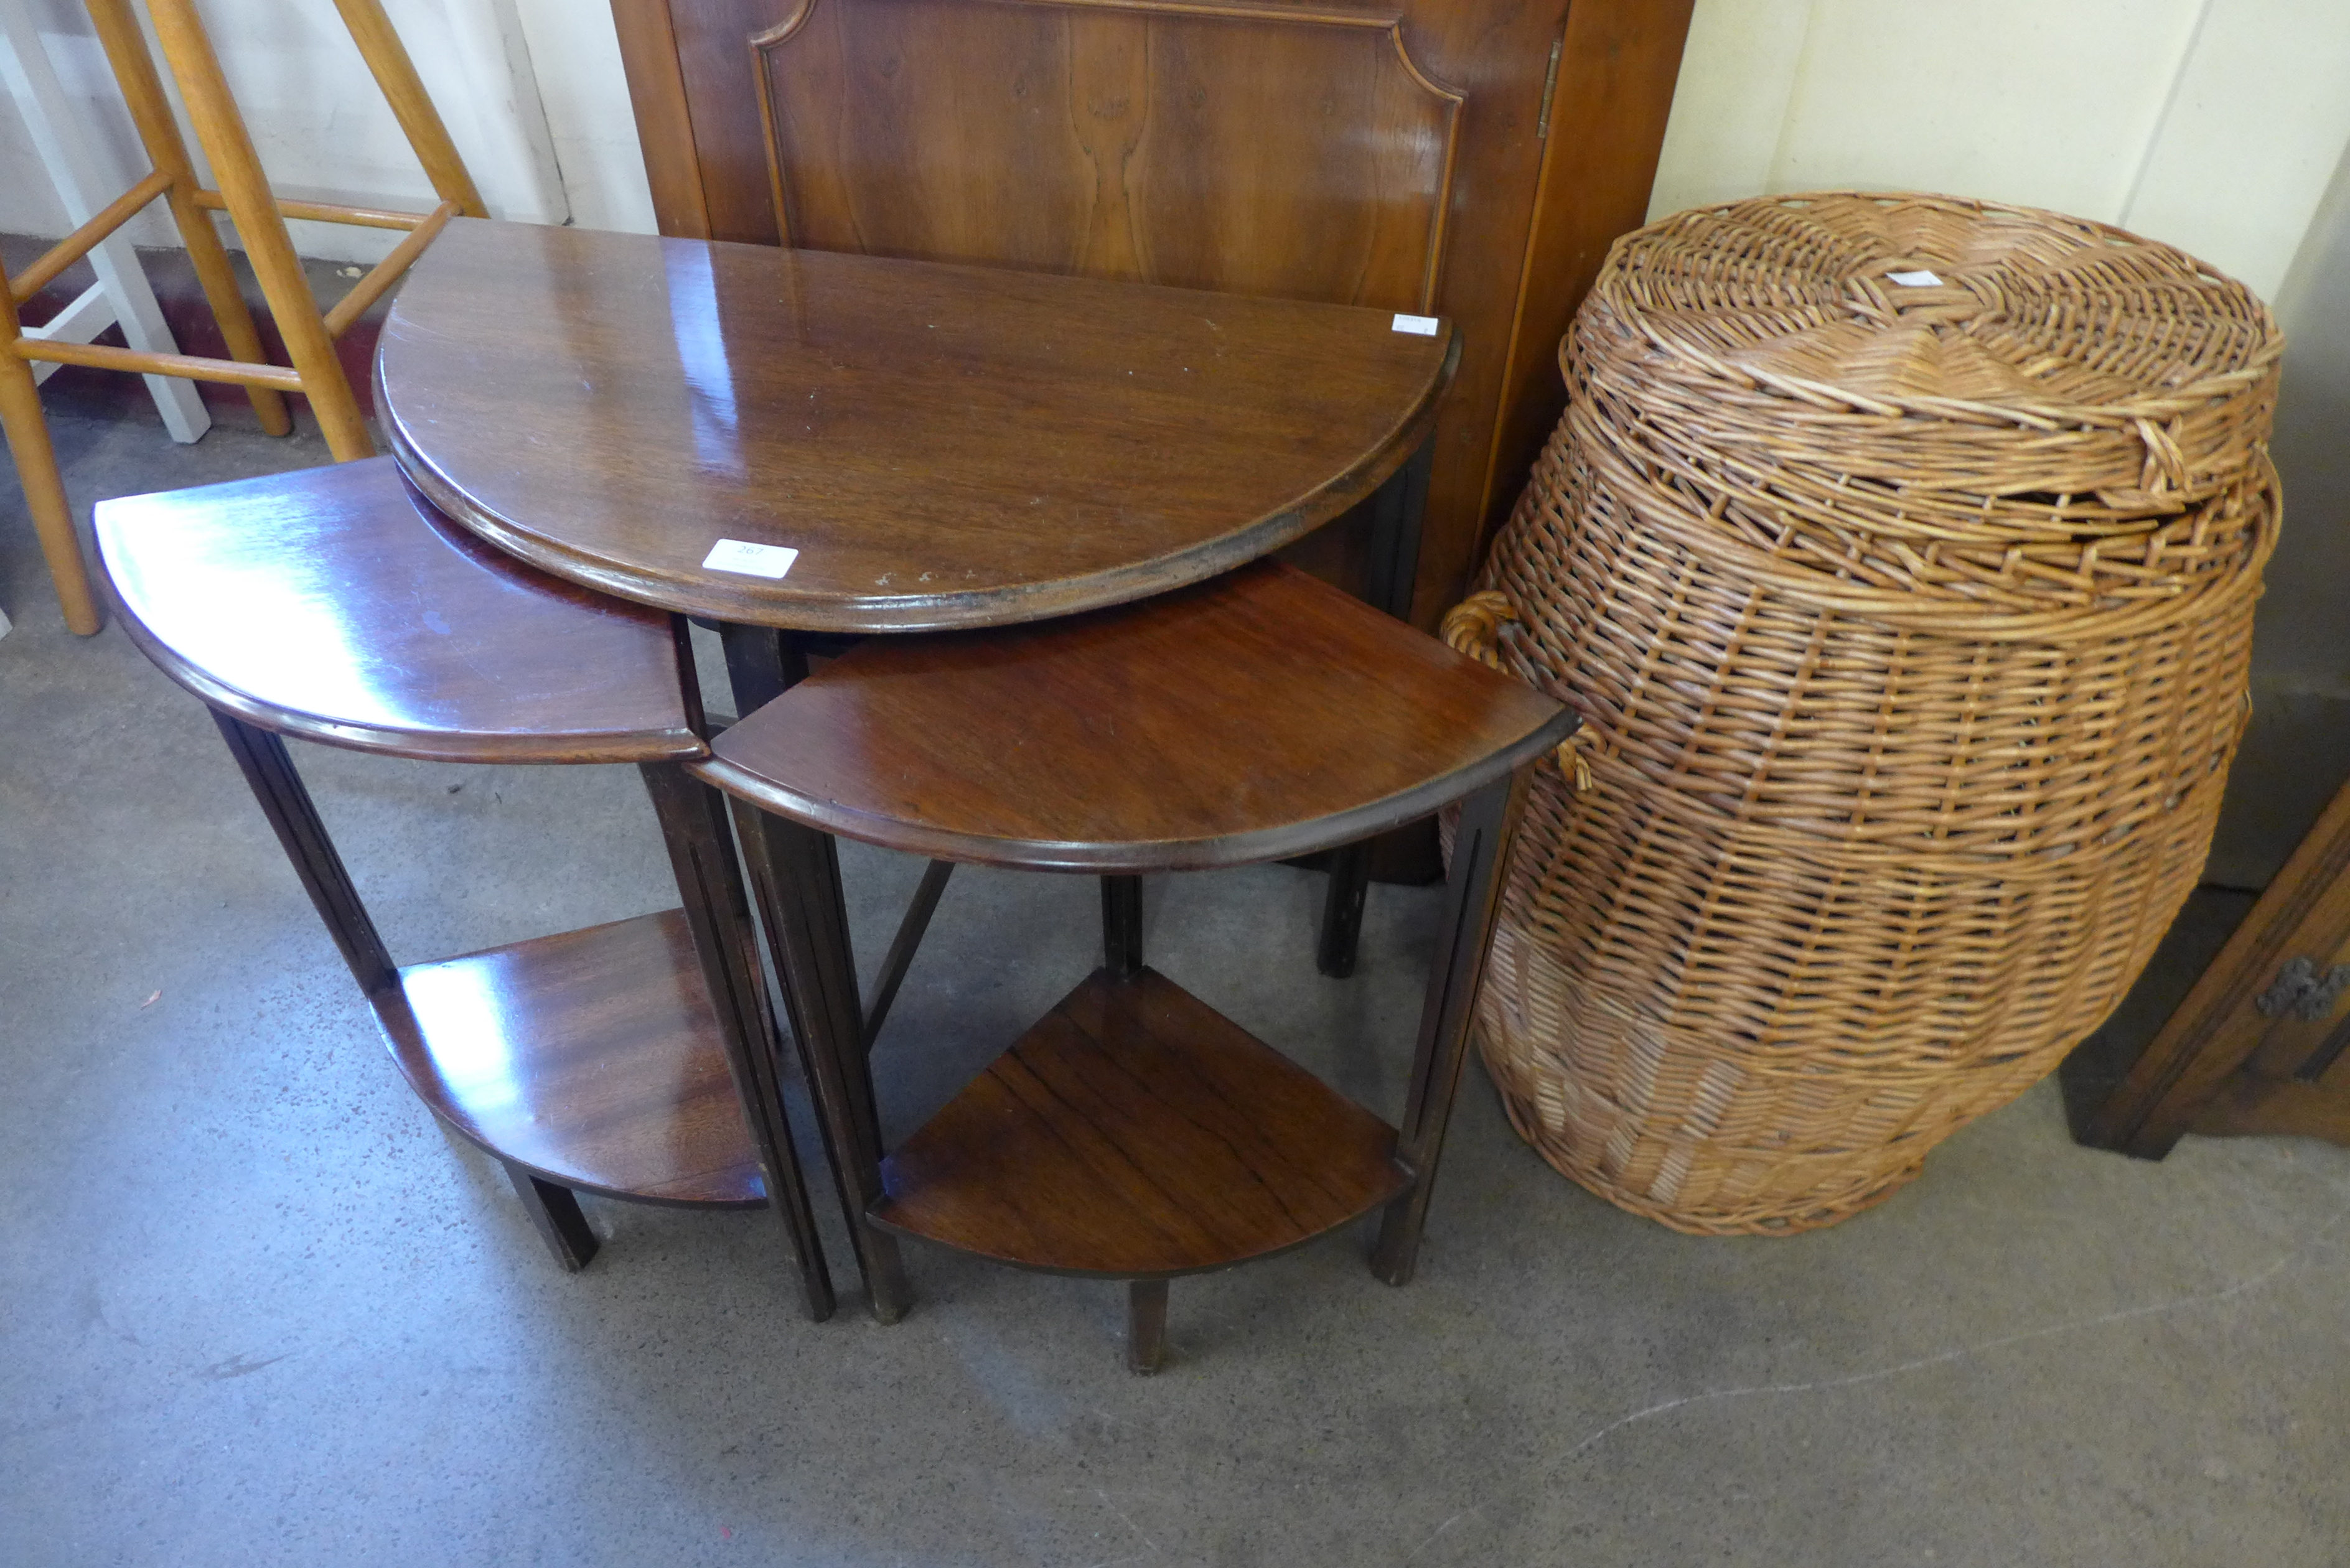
1550 86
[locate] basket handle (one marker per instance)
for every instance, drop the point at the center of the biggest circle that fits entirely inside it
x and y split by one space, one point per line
1473 627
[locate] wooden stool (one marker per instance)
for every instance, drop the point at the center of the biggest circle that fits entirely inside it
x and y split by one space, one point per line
1134 1132
636 1060
260 219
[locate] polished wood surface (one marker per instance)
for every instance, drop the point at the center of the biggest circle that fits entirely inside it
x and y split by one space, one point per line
1145 141
944 446
1135 1131
591 1058
2261 1043
337 604
1262 715
1313 151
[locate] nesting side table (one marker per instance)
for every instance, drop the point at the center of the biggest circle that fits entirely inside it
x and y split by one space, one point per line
636 1059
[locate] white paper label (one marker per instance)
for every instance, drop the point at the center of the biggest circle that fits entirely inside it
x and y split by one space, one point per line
1915 279
751 560
1418 325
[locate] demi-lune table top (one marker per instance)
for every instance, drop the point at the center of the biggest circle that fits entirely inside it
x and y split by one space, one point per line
943 446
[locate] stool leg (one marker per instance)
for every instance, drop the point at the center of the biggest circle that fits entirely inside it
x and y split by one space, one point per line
1489 819
717 910
36 469
395 76
1122 926
158 133
1146 1326
796 878
554 1211
221 129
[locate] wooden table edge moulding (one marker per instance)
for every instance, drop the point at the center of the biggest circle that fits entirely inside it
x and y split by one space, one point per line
1133 1133
635 1059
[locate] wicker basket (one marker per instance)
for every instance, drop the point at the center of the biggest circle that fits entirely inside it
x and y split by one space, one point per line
1910 624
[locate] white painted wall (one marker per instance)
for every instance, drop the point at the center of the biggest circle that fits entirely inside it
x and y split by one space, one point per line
531 89
2212 124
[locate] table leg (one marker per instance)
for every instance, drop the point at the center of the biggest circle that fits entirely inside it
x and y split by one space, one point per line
718 911
1146 1324
261 756
1396 508
795 884
1122 926
554 1211
796 877
1489 819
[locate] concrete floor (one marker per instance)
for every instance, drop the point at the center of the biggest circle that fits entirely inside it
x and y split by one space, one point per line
260 1310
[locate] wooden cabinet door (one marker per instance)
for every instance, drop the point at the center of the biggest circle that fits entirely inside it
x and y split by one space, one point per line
1391 157
2261 1045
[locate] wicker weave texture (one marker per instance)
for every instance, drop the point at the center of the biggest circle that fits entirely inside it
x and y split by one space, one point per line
1910 625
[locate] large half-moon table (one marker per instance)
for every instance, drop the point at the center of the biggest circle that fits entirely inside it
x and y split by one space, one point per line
943 446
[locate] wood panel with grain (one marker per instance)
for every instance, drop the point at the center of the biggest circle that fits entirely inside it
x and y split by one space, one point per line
1297 152
1134 1131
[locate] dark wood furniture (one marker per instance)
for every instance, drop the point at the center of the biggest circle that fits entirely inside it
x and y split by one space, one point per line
1470 158
635 1059
1133 1133
944 446
2261 1043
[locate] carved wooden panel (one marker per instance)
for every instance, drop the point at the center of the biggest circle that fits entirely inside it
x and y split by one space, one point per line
1288 152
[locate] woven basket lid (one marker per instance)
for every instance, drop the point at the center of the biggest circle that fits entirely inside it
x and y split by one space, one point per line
1934 319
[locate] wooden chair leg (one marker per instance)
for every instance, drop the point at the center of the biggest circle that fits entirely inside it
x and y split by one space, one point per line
1472 896
37 468
1146 1326
554 1212
229 147
158 134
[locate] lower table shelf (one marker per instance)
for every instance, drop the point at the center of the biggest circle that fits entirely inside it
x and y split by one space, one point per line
1135 1132
593 1058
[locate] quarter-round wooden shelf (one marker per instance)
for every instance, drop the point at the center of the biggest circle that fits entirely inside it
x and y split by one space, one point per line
1137 1132
337 604
1263 715
944 446
591 1058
